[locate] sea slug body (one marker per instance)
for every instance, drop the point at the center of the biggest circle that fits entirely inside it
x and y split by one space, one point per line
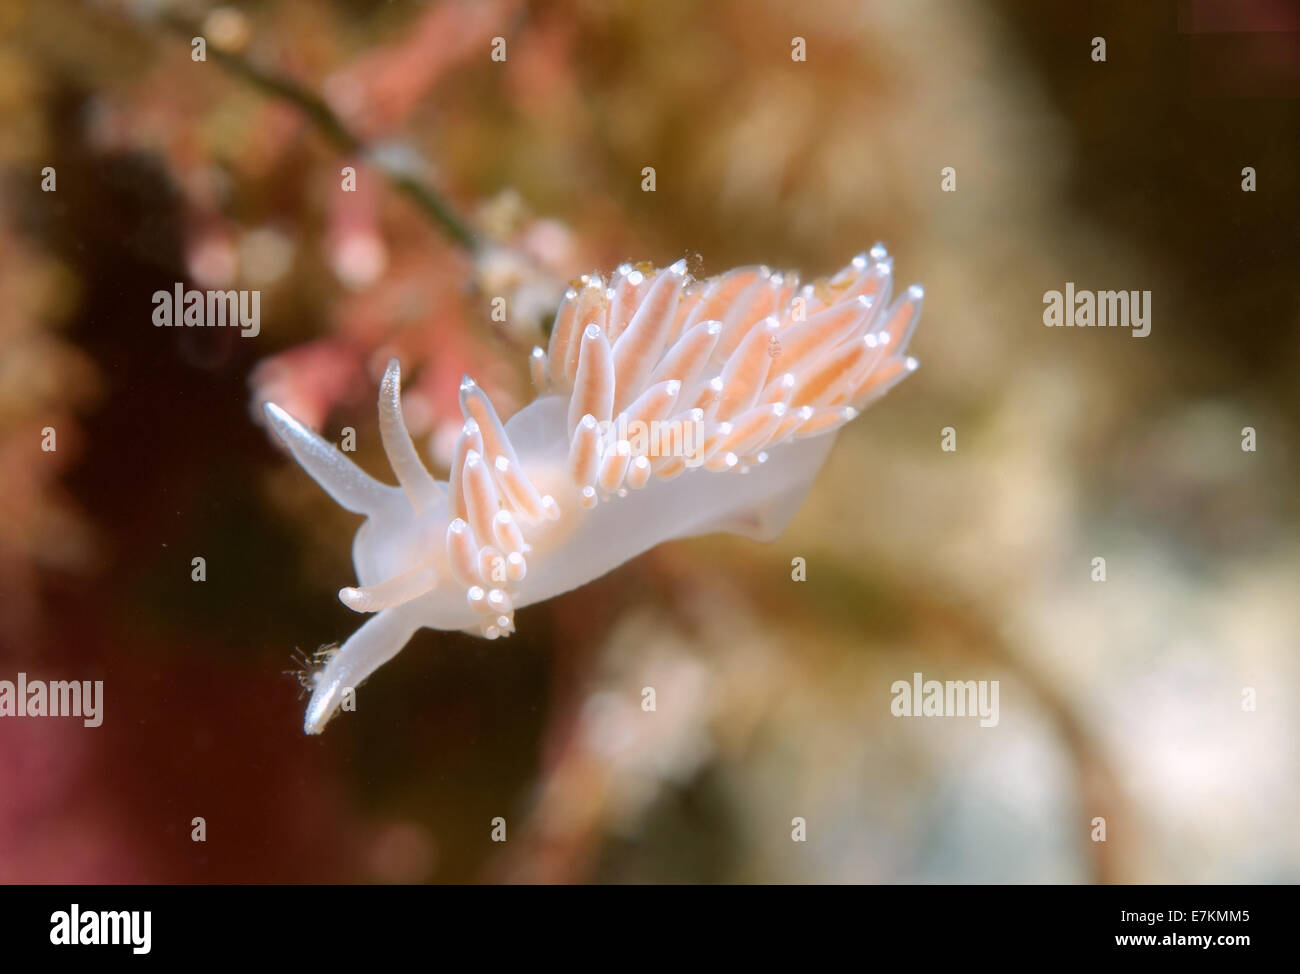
667 407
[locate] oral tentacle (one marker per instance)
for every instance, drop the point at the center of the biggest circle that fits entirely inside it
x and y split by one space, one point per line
399 589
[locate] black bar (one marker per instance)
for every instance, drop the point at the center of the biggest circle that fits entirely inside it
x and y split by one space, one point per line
314 924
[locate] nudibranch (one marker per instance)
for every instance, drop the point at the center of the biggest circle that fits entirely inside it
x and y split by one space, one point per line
667 407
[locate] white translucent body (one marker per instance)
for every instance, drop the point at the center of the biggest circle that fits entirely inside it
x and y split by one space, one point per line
434 555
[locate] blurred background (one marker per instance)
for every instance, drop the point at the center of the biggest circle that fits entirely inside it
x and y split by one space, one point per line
1120 699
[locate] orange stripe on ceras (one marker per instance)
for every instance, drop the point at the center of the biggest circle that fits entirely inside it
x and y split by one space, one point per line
639 348
593 386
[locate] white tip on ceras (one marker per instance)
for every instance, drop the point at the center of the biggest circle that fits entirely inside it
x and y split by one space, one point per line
584 452
470 440
614 465
593 383
476 406
639 348
539 370
481 498
462 553
689 355
582 306
519 490
666 407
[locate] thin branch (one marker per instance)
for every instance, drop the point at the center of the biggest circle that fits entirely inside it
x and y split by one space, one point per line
327 122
